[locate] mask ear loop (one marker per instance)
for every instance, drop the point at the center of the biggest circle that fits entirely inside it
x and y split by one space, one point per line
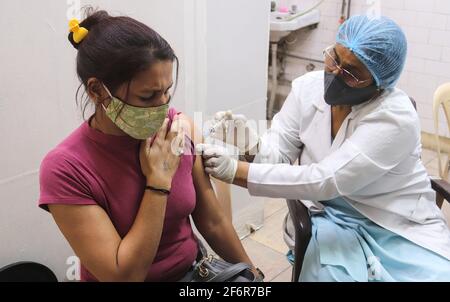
111 96
109 93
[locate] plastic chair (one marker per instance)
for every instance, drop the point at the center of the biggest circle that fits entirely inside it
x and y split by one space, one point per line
441 100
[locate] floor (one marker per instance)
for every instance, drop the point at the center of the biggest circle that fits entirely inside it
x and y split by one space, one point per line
266 247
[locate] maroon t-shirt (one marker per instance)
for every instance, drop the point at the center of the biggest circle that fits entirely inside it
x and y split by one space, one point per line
93 168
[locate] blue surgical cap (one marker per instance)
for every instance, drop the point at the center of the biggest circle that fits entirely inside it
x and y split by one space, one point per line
379 43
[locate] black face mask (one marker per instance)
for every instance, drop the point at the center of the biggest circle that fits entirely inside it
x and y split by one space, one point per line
337 92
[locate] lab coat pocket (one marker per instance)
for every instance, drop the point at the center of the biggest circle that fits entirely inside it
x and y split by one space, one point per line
424 210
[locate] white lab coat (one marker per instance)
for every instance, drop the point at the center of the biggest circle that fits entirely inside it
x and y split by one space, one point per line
374 162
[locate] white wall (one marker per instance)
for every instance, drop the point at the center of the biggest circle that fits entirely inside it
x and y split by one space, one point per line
37 109
38 84
427 27
236 75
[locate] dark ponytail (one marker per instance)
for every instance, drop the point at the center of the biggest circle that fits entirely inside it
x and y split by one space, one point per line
116 49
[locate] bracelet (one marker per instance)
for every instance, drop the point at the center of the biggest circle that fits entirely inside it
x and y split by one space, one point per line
163 191
260 273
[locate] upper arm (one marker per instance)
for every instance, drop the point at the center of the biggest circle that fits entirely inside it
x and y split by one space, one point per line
62 181
381 141
92 236
208 211
65 192
386 137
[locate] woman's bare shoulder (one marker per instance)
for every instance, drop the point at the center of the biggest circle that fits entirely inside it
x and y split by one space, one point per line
187 123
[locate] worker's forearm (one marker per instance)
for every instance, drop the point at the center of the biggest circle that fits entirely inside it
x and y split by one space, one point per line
138 248
242 174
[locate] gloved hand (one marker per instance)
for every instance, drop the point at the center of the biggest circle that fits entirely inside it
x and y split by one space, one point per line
235 129
218 162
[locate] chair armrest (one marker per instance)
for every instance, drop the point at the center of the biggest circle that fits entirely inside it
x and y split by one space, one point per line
442 189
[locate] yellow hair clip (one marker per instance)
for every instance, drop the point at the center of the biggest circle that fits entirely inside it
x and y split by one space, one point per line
79 33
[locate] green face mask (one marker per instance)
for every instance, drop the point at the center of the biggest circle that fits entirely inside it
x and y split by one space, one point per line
138 122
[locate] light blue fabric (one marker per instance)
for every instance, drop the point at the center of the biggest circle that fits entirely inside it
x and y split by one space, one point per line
290 257
346 246
379 43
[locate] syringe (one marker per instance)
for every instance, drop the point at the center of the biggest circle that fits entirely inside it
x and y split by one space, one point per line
212 130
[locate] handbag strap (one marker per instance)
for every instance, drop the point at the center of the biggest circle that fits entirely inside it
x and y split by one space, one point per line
230 272
202 249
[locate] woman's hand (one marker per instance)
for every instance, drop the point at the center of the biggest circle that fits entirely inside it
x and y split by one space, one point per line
160 157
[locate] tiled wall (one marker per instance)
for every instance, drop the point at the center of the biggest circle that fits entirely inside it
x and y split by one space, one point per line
427 27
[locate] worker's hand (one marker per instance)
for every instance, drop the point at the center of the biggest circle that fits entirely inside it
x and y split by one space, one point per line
218 162
235 129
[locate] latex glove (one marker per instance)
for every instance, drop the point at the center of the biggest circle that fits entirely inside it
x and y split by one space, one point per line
218 162
235 129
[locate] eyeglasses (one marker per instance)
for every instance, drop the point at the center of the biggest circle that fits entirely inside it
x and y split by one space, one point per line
349 78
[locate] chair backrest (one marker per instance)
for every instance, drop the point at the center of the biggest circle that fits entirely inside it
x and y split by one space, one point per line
413 101
441 100
27 272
